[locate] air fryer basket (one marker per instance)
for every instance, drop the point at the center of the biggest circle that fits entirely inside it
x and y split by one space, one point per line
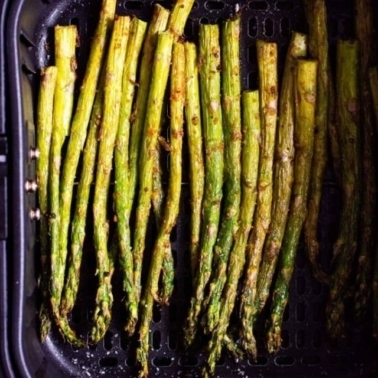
305 352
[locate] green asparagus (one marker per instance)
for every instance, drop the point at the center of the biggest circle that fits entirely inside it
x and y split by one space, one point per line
348 103
250 161
267 63
209 66
318 48
121 155
283 172
364 34
232 137
305 91
108 132
44 131
195 146
177 97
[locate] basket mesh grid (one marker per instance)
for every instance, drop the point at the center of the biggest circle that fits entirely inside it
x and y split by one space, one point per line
305 352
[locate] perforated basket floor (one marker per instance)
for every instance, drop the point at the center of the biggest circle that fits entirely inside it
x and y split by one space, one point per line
305 352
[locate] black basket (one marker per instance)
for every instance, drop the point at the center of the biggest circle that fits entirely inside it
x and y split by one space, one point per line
305 351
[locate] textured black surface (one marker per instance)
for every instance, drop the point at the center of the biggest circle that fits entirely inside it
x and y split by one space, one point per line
305 351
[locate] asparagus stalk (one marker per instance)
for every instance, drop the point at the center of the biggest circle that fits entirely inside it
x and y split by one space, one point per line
65 44
232 137
196 163
121 154
364 34
250 161
171 210
178 17
318 48
81 208
209 58
347 85
108 132
283 173
44 131
373 85
160 71
267 62
80 122
158 23
305 87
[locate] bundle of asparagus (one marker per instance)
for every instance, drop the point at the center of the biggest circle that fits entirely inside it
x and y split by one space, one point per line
256 160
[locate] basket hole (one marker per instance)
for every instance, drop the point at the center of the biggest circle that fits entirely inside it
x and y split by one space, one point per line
189 28
174 257
156 340
173 236
131 361
252 80
268 27
92 346
204 20
285 27
221 361
300 339
124 340
316 339
214 5
300 312
26 41
311 360
133 5
156 313
27 70
300 285
76 315
285 342
259 361
258 5
252 27
316 287
172 313
252 54
316 313
75 21
108 362
195 5
162 361
332 28
284 361
346 28
172 340
286 313
108 342
284 5
188 361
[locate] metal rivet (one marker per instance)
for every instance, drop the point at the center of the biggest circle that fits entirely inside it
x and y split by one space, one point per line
35 214
31 185
33 153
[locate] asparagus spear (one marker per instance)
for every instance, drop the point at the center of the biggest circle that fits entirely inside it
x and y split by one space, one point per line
249 169
80 123
267 62
108 131
283 173
318 48
347 85
364 34
305 87
158 23
65 44
178 17
196 163
82 201
121 154
232 138
44 131
177 96
373 86
160 71
209 65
